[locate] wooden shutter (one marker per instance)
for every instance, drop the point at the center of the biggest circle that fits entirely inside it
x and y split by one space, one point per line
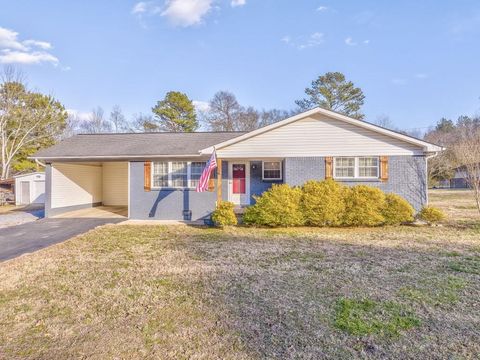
384 168
147 175
328 167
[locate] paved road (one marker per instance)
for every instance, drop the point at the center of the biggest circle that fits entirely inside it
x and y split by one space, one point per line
32 236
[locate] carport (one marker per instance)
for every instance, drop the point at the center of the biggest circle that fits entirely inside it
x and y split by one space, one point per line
87 189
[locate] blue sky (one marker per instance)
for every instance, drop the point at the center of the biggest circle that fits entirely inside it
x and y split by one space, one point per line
416 61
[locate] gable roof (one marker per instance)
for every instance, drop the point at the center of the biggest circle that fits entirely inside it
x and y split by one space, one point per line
427 147
133 145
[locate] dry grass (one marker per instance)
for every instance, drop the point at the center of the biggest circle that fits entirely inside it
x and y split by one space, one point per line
122 292
459 205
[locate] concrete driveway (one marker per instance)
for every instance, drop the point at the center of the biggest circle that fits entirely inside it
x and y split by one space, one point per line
21 215
29 237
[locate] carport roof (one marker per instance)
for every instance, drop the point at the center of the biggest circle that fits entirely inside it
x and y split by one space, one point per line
133 145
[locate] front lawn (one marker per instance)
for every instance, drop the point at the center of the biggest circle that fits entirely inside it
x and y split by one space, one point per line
121 292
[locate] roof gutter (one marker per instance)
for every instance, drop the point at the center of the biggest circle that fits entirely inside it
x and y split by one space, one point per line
110 157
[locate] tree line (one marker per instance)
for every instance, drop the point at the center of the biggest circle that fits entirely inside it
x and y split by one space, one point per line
176 111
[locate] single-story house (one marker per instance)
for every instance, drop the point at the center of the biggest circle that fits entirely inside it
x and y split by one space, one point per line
30 188
155 174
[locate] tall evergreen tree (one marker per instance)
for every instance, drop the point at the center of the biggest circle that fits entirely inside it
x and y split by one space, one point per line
175 113
333 92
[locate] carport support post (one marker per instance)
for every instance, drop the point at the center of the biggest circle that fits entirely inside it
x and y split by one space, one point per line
219 181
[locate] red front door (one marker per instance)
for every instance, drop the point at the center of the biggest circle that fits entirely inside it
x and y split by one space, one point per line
238 178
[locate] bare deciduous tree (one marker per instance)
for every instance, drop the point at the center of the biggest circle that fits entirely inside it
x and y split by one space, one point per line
143 123
118 120
222 114
96 124
466 152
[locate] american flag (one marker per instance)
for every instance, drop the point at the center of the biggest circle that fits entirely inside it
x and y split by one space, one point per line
211 165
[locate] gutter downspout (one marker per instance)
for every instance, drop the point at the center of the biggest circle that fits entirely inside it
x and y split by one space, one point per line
38 162
426 169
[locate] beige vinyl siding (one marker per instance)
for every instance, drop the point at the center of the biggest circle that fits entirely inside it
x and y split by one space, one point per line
318 136
115 183
75 184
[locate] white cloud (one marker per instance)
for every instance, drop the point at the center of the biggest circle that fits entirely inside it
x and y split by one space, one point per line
140 7
8 40
40 44
304 42
187 12
349 41
8 56
421 76
201 105
14 51
322 8
80 115
313 40
366 42
235 3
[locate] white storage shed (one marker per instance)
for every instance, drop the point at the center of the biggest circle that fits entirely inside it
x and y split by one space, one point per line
30 188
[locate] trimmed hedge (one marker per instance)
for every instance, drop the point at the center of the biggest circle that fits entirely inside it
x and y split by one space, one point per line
277 207
397 210
323 203
224 214
363 206
431 214
327 203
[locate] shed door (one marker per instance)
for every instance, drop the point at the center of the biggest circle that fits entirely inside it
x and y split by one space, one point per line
25 192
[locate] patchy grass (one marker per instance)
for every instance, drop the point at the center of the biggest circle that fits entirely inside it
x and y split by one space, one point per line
185 292
446 291
467 264
366 317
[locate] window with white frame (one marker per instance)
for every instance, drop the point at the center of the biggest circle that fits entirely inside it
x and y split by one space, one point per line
177 174
344 167
160 174
196 169
362 167
272 170
368 167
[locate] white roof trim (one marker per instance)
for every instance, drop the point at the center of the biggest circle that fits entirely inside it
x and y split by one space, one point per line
32 173
427 147
110 157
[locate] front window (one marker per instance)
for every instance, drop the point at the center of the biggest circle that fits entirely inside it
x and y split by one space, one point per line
177 174
345 167
272 170
363 167
368 167
160 174
196 169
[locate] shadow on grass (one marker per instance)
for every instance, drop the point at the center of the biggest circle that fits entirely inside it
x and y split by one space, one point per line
282 288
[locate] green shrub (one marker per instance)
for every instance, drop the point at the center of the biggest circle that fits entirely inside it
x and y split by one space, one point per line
279 206
323 203
224 214
397 210
431 214
363 206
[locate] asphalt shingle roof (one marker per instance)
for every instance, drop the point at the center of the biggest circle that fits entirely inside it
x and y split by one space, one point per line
134 144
